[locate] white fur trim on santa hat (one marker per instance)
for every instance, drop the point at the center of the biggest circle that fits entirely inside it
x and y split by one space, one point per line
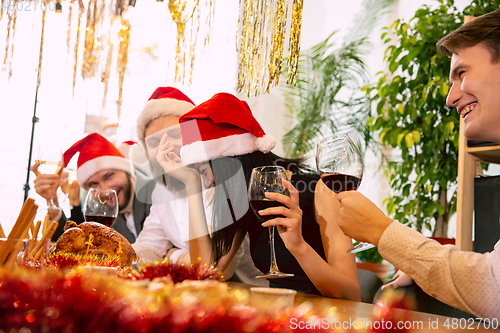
91 167
234 145
155 108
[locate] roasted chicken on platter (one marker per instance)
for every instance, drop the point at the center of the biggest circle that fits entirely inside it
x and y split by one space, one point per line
94 238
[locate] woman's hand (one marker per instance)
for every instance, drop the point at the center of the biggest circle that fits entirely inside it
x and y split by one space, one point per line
172 164
400 280
290 224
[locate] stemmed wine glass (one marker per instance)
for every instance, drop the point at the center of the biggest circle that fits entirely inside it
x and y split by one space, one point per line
341 168
101 206
50 158
268 179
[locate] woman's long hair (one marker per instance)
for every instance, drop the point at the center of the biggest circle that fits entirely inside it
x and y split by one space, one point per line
231 211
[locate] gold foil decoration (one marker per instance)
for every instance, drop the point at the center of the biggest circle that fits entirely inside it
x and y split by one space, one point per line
68 38
180 15
7 39
124 38
183 11
105 75
92 44
1 8
294 43
77 42
12 46
39 71
262 35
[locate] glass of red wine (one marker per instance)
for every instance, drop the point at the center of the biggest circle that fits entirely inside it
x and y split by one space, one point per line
101 206
268 179
341 168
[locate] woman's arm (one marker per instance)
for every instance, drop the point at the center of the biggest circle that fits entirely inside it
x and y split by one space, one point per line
337 277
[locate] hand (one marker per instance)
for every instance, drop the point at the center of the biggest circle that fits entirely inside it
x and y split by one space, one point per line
400 280
290 225
46 184
360 218
172 164
71 189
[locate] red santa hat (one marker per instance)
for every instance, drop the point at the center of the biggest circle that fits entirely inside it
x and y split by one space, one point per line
165 101
96 154
221 126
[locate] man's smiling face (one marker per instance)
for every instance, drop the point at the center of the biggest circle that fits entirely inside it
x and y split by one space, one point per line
475 92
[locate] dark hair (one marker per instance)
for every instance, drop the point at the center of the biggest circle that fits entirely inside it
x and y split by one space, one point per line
228 216
483 30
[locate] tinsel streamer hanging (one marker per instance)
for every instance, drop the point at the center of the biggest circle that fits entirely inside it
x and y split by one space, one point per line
39 72
181 13
208 21
195 28
77 42
14 20
107 71
1 8
278 43
294 43
68 38
124 38
262 35
7 40
92 44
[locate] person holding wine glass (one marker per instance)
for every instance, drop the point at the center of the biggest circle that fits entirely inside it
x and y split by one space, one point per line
223 142
466 280
341 168
101 165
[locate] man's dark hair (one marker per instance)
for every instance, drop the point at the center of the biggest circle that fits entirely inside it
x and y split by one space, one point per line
483 30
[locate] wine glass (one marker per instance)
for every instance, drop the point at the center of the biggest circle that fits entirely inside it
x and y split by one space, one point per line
341 168
50 158
101 206
267 179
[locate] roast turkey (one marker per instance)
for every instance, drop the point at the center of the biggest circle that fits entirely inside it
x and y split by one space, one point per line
100 240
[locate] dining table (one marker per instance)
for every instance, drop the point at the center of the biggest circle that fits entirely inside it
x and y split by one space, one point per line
362 317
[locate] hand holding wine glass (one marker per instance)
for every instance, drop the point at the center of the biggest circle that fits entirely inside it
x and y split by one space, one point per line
341 168
49 161
101 206
267 179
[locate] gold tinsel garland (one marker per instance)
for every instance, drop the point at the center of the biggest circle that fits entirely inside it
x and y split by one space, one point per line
262 38
124 37
180 15
80 14
182 11
294 43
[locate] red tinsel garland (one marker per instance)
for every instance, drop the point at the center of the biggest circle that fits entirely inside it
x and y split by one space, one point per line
50 301
176 272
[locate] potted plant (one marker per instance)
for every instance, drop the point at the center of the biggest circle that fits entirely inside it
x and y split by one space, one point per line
328 94
412 116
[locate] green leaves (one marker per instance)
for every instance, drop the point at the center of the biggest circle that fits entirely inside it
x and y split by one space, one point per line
326 69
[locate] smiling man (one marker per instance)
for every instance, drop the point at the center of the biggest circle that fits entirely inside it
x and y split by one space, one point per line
101 165
466 280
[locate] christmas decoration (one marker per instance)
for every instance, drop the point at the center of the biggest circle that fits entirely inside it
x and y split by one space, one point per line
388 316
55 301
176 272
262 39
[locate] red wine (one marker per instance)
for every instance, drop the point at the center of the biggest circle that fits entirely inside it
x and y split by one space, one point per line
106 220
263 204
338 182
